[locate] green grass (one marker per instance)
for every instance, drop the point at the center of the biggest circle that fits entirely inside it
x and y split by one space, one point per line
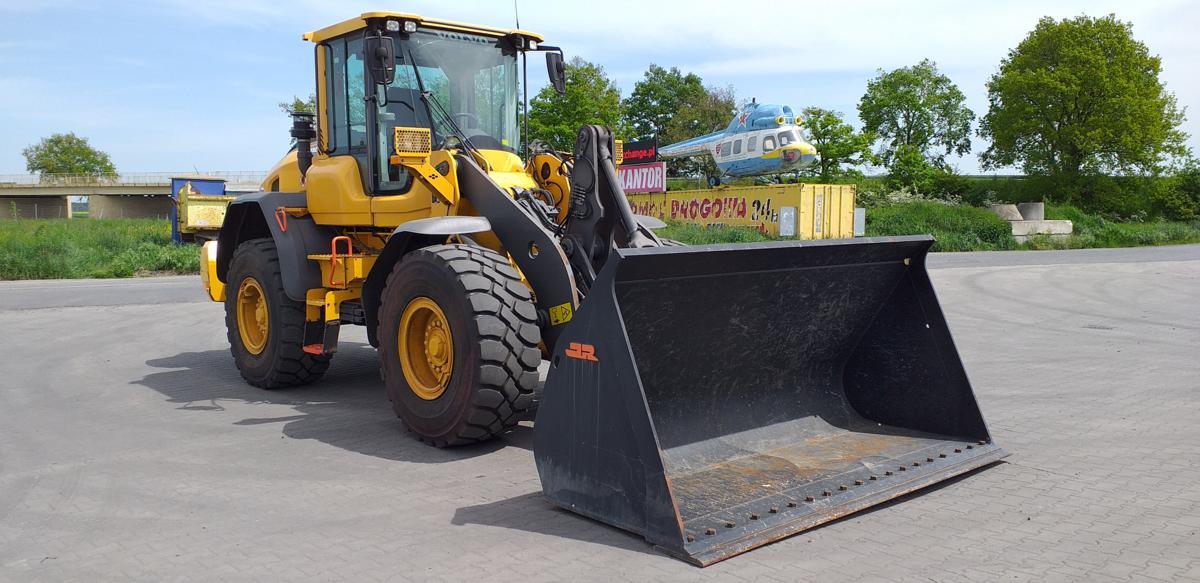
1092 231
78 248
956 227
968 228
690 234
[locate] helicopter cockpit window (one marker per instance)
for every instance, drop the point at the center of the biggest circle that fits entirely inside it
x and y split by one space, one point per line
768 143
786 137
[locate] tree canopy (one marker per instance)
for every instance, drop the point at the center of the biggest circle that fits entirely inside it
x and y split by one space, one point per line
591 98
1080 96
296 104
836 141
67 154
703 113
659 96
919 108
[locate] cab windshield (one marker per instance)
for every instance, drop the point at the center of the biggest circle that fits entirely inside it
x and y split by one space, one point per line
474 78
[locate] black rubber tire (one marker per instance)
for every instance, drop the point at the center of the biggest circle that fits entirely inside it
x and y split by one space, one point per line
283 362
495 337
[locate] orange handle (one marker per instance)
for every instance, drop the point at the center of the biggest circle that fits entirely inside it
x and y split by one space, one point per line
333 260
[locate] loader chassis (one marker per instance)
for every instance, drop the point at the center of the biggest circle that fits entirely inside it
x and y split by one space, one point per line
711 399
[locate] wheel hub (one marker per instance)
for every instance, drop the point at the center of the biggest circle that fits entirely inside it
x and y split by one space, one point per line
426 348
252 316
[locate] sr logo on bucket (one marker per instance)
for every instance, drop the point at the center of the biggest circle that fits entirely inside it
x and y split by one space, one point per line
581 351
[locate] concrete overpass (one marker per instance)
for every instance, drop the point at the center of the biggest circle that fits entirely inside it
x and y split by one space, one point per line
128 195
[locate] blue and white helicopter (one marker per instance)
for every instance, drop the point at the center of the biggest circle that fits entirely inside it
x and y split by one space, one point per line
762 139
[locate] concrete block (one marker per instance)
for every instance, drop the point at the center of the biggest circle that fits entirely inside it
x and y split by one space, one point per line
1032 211
1007 212
1022 230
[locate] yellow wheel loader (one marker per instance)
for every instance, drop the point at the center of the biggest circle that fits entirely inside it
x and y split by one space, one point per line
711 399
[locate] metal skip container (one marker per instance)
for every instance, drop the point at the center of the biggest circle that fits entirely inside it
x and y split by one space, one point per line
714 399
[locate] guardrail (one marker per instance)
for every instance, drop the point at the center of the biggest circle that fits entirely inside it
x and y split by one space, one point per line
123 179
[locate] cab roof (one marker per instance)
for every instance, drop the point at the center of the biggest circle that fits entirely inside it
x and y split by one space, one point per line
353 24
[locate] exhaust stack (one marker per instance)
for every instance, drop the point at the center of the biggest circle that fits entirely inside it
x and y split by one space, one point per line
303 131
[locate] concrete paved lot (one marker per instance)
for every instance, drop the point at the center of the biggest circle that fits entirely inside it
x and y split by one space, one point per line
131 451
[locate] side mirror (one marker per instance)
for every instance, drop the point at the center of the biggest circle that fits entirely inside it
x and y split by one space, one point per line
557 72
381 59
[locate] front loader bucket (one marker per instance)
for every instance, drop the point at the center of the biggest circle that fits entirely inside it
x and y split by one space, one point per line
714 399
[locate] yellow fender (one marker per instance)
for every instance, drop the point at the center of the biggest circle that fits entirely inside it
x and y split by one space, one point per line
208 272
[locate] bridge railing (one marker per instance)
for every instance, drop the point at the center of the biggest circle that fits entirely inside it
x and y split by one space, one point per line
124 178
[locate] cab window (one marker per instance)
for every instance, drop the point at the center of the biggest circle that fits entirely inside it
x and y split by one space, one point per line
768 143
345 76
356 83
737 147
751 143
785 138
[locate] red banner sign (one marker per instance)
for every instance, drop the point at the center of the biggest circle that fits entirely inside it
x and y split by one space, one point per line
643 177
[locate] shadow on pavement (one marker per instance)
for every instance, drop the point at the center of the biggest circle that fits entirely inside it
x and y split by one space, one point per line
347 408
533 513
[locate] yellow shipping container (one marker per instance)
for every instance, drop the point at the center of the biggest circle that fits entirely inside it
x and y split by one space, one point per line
804 211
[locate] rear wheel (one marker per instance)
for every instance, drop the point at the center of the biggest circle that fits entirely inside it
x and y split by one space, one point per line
265 327
458 344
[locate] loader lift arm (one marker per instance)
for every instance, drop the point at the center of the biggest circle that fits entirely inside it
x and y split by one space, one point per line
599 218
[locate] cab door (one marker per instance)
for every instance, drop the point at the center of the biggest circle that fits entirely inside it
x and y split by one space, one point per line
338 183
397 196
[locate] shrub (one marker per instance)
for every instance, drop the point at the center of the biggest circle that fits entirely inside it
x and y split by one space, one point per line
75 248
1180 199
956 227
1093 230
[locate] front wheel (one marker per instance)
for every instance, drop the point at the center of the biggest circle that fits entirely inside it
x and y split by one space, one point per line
265 327
458 344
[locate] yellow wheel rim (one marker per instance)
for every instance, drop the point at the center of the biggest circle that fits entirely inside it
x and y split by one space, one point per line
252 320
426 348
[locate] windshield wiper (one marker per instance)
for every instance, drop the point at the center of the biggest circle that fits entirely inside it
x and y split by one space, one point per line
433 103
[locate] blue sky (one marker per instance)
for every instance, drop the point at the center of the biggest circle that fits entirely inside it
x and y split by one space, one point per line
173 85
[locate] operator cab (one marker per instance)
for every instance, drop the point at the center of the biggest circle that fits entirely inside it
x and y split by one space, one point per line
386 70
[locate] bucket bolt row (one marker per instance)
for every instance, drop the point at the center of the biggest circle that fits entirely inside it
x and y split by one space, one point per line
829 493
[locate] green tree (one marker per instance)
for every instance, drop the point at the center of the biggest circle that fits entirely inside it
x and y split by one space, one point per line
1080 97
67 154
911 168
658 97
837 143
591 98
918 108
296 104
703 113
